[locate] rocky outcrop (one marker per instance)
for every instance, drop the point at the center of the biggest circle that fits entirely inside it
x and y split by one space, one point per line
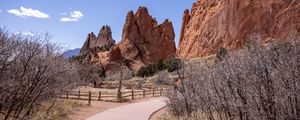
104 38
144 41
212 24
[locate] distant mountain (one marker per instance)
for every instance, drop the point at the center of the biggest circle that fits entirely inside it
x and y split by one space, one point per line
70 53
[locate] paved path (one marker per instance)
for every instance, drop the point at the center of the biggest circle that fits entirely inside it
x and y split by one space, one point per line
134 111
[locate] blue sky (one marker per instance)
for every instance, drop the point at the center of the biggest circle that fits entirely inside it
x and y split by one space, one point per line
69 21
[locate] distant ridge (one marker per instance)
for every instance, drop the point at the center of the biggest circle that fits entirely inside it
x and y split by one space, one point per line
71 53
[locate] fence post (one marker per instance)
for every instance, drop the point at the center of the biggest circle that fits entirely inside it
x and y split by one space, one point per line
79 94
120 97
90 98
67 95
153 92
99 98
132 94
143 93
160 93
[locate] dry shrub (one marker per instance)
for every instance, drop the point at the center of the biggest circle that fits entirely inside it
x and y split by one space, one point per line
168 116
32 71
60 110
256 83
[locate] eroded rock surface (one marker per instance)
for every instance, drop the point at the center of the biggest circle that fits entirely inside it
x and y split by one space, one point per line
144 41
103 39
212 24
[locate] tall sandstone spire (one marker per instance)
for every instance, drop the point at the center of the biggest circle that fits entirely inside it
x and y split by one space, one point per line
144 41
104 38
230 23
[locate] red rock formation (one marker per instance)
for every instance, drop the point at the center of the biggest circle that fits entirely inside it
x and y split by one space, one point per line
229 23
104 38
144 41
86 46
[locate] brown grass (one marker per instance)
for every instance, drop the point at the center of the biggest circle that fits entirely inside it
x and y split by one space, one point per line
164 114
60 111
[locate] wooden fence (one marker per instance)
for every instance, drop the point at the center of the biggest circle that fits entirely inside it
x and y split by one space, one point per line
112 96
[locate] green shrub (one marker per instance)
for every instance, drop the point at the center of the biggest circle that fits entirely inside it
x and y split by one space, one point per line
101 73
146 71
222 52
103 48
173 64
77 58
143 72
161 65
150 70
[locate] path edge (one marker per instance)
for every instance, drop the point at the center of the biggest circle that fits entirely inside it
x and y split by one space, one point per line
156 111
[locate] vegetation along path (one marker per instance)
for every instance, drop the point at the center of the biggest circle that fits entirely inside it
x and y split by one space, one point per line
135 111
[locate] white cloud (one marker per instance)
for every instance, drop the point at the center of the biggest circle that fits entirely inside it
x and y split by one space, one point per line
28 12
24 33
74 16
66 19
0 11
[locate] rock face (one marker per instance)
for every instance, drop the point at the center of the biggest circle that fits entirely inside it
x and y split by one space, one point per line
144 41
230 23
104 38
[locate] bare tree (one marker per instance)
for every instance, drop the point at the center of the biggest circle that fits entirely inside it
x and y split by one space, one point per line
257 82
119 92
32 71
88 73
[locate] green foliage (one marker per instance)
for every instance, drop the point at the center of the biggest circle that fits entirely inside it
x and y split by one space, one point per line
150 70
145 71
161 65
101 73
173 65
103 48
77 58
222 52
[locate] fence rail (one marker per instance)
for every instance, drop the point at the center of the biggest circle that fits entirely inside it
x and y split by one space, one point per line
113 96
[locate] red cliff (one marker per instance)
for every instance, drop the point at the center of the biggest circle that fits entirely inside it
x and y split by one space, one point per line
213 24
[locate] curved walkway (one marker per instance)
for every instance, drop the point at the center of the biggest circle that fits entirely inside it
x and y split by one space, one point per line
135 111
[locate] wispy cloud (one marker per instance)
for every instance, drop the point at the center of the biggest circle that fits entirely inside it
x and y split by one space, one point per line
74 16
24 33
0 11
28 12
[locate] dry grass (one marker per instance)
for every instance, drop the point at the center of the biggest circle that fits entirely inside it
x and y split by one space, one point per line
207 60
92 89
164 114
60 111
168 116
